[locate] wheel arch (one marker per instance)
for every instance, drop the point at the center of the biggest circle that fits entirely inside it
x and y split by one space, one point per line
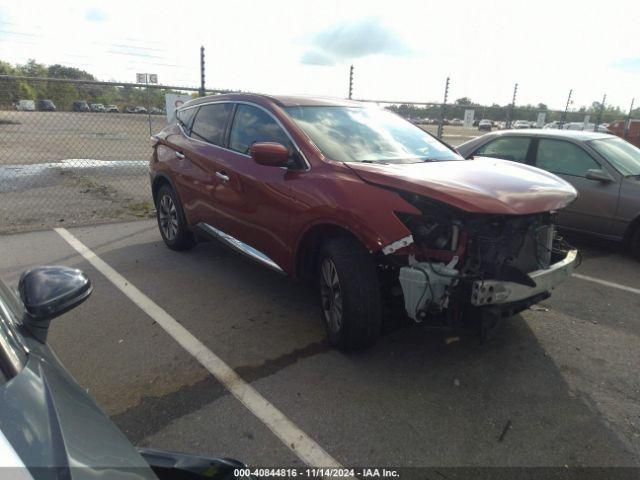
158 181
633 226
308 246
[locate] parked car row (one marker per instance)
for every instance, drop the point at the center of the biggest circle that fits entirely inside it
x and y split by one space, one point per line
31 105
82 106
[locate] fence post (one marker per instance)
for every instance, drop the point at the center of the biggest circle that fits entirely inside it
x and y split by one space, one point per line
627 124
511 107
563 118
146 76
202 90
443 109
600 112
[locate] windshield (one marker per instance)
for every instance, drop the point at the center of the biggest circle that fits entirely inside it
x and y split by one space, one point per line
624 156
367 134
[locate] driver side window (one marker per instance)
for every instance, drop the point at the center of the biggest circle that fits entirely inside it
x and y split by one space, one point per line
559 156
251 125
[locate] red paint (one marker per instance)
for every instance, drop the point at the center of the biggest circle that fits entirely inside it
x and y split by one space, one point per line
273 208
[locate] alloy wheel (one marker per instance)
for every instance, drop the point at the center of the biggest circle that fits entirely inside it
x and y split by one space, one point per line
168 217
331 295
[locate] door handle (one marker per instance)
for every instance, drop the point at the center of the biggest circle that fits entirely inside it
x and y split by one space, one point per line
179 155
222 176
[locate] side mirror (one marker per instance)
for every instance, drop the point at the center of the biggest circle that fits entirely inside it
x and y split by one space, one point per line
599 175
48 292
270 154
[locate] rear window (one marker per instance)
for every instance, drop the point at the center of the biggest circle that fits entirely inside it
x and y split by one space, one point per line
185 117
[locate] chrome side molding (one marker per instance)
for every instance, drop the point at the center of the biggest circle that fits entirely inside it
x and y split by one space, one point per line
239 246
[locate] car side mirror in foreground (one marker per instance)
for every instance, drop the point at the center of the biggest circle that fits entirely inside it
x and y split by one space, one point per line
271 154
48 292
599 175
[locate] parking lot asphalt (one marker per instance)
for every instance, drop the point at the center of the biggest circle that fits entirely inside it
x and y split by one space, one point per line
559 386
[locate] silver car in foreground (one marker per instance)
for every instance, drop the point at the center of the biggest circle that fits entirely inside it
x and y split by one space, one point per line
604 169
49 427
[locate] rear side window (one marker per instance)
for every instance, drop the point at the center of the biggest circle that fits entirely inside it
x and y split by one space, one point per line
558 156
210 123
251 125
507 148
185 117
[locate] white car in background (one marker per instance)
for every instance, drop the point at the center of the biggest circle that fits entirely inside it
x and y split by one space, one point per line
587 127
26 106
518 124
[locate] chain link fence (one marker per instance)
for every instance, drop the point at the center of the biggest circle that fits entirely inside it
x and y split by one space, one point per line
75 152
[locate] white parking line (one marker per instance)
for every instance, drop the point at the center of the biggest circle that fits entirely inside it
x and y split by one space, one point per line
293 437
606 283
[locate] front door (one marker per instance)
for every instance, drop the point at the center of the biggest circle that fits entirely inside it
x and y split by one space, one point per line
594 209
254 201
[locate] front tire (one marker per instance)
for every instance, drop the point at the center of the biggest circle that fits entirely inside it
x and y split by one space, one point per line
349 294
171 220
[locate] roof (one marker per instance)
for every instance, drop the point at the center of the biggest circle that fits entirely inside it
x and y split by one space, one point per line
554 132
281 100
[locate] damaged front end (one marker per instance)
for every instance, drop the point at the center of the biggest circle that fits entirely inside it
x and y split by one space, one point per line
456 261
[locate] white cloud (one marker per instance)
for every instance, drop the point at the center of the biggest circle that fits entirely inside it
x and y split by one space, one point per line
353 39
485 47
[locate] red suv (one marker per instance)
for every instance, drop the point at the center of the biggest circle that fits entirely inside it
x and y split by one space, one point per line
377 211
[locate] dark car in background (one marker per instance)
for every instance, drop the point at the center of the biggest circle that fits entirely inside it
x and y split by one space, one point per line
485 125
604 169
49 426
45 106
80 106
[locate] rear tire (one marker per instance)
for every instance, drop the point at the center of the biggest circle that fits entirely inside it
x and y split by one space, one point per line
171 220
350 298
634 243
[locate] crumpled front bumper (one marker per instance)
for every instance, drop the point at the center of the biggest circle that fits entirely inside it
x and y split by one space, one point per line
498 292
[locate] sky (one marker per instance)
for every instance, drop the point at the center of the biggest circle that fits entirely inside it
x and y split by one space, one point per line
401 50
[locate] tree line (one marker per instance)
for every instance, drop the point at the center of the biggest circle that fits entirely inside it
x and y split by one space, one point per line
63 94
497 112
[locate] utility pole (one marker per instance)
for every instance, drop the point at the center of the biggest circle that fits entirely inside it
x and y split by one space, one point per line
443 109
201 71
350 81
563 118
600 112
627 124
512 106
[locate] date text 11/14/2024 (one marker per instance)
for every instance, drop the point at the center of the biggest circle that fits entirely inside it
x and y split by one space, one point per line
316 472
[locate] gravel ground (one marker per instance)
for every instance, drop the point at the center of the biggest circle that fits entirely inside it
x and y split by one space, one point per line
76 168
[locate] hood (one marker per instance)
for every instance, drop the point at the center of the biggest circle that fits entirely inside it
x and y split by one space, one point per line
481 185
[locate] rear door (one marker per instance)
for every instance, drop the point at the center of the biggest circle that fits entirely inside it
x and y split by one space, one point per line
594 209
198 155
